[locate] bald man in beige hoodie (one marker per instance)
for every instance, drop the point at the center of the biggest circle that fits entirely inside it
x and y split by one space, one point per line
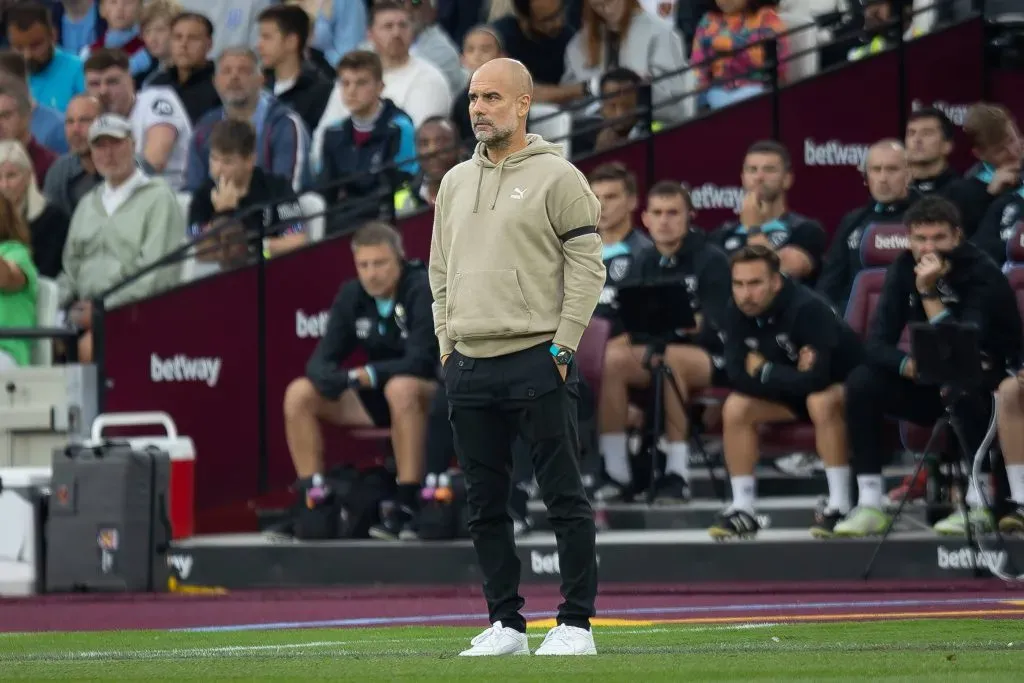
516 271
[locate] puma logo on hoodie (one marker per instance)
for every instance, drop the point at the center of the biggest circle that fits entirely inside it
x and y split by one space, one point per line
515 259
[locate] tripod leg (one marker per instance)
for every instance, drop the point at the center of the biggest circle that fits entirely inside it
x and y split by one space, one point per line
659 396
905 497
696 442
961 472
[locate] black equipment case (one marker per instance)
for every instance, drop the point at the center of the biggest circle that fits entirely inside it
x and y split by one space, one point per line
108 526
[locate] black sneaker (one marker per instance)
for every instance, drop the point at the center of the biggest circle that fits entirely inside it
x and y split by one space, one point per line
734 524
1013 523
671 489
396 525
825 521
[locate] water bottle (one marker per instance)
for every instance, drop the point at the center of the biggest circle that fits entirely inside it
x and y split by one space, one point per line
429 487
443 494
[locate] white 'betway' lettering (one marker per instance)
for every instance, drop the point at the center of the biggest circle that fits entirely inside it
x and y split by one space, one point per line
314 326
547 563
710 196
833 153
969 558
181 368
892 242
955 112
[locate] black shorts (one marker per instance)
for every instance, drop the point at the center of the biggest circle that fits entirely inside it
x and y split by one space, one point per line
719 377
797 407
376 406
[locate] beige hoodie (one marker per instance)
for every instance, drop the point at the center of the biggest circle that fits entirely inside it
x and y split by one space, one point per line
515 259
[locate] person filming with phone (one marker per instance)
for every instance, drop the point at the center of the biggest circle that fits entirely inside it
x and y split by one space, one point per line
941 279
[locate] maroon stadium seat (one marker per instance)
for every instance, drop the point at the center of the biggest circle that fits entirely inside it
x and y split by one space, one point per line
881 243
590 354
879 247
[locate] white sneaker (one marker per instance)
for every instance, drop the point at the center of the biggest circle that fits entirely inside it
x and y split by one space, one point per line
496 641
567 640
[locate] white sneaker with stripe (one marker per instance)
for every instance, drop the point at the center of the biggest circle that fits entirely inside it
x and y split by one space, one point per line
497 641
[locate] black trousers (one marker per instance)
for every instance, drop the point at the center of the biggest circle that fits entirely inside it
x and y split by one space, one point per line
873 394
492 401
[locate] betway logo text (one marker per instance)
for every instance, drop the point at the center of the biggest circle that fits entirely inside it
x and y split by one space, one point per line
547 563
892 242
181 368
710 196
307 326
955 112
969 558
833 153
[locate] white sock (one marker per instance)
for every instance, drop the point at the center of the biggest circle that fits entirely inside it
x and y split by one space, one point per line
677 459
1015 473
616 459
838 488
973 500
744 493
869 488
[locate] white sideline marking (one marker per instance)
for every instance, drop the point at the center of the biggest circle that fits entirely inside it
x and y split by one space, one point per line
332 646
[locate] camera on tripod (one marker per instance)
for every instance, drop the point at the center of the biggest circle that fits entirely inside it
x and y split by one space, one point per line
655 315
948 355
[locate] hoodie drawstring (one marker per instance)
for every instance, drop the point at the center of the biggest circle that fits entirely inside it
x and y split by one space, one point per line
479 182
497 188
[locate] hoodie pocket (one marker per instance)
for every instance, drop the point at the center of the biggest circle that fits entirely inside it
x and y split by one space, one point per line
487 303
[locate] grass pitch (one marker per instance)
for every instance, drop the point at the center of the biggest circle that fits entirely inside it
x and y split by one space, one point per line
923 650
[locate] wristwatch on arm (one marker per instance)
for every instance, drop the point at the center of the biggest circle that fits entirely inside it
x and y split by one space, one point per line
562 355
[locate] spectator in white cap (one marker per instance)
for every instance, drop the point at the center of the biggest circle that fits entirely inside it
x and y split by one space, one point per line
121 226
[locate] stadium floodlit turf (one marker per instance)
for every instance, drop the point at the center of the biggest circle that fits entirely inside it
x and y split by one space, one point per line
906 650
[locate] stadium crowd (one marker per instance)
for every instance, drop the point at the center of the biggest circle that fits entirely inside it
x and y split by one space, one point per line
128 127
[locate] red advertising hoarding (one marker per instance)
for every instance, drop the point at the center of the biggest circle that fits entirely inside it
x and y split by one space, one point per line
192 352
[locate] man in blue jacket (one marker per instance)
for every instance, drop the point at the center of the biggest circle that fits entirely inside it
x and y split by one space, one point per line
282 141
376 144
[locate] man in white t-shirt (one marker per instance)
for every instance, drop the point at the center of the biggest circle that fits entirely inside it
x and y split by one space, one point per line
414 84
161 126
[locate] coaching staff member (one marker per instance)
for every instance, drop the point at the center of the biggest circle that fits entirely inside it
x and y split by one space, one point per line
941 278
787 354
385 312
516 271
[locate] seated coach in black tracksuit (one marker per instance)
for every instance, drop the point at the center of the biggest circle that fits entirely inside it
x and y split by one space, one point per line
787 354
386 314
887 175
684 256
942 278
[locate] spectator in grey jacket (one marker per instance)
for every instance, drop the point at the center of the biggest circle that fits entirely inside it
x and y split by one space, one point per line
621 34
119 228
74 174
